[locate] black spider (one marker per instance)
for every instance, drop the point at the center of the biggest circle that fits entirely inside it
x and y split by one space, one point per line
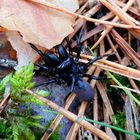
64 68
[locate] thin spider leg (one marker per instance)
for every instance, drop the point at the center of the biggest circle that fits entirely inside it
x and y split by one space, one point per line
42 67
72 84
93 77
61 50
70 48
79 46
46 83
94 60
38 51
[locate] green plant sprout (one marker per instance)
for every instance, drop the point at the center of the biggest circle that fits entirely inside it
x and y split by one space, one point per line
124 89
119 119
15 123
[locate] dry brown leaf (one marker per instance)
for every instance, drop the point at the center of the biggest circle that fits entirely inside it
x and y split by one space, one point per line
37 24
25 54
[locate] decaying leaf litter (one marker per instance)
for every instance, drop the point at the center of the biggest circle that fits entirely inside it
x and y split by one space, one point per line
101 38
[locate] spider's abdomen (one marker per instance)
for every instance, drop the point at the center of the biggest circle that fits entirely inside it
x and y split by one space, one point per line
83 90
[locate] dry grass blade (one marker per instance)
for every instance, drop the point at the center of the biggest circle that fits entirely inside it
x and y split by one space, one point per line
108 130
72 117
129 118
95 111
122 15
120 41
136 114
105 99
119 12
126 48
75 127
109 28
43 2
115 68
132 90
78 24
114 49
135 10
4 102
108 16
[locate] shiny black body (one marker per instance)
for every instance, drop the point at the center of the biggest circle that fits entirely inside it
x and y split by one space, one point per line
64 68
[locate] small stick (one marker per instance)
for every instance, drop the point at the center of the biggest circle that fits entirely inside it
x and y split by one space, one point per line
106 119
116 68
109 28
111 4
75 127
71 116
4 102
95 111
105 99
123 87
114 49
58 118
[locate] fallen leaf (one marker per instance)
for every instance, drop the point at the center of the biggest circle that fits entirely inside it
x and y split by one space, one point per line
25 54
36 24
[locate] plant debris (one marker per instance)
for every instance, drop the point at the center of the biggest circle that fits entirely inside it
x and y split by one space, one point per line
110 27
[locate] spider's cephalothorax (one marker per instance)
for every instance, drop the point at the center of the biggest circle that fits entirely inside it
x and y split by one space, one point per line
64 68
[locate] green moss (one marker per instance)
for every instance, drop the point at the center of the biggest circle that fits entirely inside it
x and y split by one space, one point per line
123 80
17 123
119 119
55 135
5 129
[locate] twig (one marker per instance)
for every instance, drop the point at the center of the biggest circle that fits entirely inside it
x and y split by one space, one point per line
58 118
43 2
4 102
75 127
105 99
107 129
111 4
129 118
72 116
114 67
123 87
95 110
109 28
7 63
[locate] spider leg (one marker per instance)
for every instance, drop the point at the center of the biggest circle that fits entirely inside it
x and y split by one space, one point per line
49 58
38 51
71 88
79 46
93 77
63 55
42 67
70 48
72 84
47 82
94 60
